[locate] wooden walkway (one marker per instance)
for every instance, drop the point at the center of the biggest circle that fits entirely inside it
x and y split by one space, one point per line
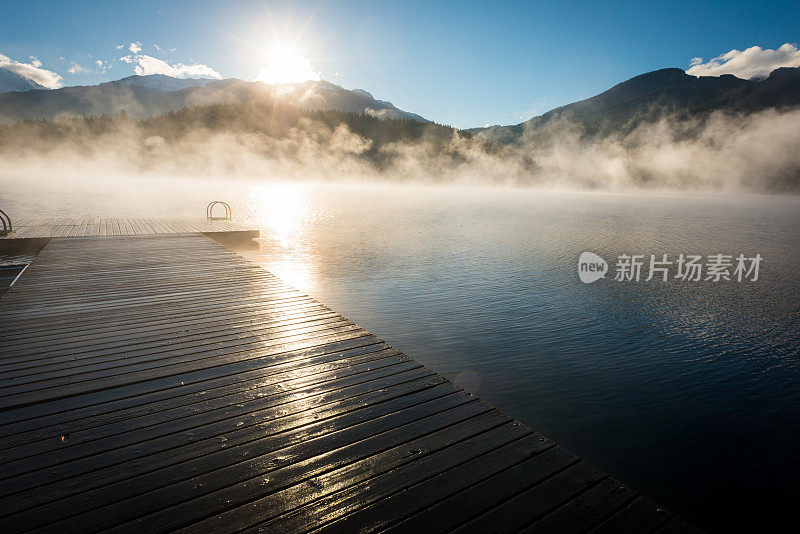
41 227
164 383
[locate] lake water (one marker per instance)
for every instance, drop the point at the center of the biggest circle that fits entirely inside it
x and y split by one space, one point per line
689 391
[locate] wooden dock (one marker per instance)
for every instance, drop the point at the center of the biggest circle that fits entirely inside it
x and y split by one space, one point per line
45 227
164 383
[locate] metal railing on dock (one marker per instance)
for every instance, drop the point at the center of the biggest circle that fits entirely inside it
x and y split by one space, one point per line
6 220
210 211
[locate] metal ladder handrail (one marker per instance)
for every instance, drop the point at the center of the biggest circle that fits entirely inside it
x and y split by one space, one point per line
7 229
210 211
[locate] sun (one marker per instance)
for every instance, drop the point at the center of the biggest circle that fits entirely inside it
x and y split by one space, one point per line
285 65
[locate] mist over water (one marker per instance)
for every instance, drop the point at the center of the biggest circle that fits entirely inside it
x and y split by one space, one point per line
686 390
715 152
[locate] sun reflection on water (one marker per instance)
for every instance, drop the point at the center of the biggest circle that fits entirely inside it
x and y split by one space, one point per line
295 271
282 211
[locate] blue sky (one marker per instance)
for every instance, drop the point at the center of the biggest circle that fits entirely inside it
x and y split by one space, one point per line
460 63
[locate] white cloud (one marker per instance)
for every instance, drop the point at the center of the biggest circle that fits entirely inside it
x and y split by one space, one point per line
119 47
157 47
35 62
32 71
150 65
754 62
146 65
75 68
102 66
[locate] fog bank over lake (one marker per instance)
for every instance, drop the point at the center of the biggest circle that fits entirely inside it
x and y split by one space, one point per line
715 152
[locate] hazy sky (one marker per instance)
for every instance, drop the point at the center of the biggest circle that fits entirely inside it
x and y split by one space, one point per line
460 63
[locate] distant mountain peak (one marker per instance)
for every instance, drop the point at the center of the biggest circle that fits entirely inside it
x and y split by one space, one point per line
162 82
11 81
784 74
363 93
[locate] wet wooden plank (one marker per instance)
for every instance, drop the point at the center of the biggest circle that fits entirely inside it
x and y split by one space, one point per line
28 425
311 371
107 400
535 502
45 227
406 501
279 451
678 525
470 502
62 364
586 511
71 462
232 402
394 468
641 515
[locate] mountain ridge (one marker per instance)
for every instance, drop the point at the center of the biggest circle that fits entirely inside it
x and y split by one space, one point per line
660 93
160 82
147 96
643 98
